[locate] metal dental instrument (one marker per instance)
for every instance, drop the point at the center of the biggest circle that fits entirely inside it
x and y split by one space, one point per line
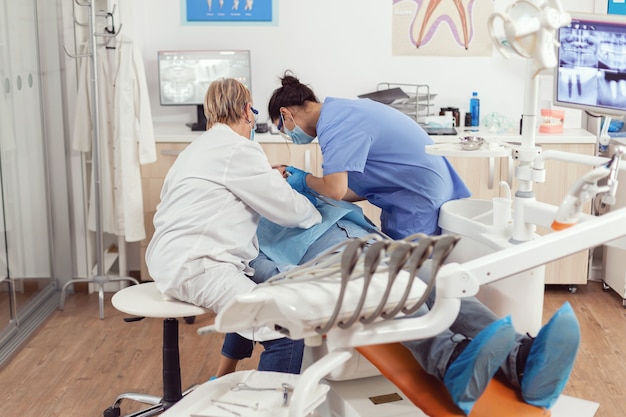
285 388
255 407
242 386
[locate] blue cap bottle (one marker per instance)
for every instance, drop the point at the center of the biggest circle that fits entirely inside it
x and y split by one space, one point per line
475 109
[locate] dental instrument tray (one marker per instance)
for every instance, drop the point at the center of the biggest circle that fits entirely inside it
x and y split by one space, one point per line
414 100
386 96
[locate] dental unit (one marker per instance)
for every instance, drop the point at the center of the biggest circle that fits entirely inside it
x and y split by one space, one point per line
363 293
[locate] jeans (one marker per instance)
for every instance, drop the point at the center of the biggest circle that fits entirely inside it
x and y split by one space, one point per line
280 355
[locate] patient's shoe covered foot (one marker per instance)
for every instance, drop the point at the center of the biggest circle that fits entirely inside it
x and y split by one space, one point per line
551 358
469 374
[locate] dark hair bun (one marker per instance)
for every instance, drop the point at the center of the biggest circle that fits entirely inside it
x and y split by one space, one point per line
289 80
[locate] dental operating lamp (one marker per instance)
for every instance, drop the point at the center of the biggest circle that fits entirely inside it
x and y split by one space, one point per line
529 28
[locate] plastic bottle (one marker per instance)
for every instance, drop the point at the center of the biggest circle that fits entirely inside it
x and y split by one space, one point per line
475 109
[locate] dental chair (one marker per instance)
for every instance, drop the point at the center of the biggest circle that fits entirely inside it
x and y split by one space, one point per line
357 299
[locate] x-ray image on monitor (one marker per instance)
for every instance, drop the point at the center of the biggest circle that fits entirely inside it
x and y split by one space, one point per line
178 81
612 52
612 90
184 76
578 85
579 48
591 74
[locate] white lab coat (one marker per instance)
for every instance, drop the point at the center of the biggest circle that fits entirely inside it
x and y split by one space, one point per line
205 225
126 136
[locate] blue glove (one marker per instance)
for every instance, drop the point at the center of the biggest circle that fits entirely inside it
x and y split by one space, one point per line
297 180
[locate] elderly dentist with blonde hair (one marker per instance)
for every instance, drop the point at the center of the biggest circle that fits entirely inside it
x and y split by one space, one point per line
211 202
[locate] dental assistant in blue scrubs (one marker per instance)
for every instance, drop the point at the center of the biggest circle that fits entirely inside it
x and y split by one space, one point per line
371 151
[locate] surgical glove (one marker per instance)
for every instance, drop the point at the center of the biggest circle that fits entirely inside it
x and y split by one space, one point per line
297 180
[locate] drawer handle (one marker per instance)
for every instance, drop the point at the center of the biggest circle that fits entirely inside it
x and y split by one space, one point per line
170 152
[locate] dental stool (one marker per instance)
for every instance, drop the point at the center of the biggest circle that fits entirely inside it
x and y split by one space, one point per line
145 300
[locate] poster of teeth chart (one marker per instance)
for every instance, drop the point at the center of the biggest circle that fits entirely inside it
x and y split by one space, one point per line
441 28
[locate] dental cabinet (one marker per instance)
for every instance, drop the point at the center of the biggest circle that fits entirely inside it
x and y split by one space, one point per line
482 175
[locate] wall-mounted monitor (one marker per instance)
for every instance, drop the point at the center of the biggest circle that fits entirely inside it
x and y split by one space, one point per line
591 74
184 76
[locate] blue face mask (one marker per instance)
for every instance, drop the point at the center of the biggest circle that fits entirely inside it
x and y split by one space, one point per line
297 135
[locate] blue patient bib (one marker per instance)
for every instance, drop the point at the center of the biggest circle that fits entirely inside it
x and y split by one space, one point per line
286 245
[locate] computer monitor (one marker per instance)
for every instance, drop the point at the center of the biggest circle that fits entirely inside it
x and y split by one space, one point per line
591 74
184 76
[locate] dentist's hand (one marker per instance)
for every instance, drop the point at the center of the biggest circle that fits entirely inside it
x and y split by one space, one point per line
297 180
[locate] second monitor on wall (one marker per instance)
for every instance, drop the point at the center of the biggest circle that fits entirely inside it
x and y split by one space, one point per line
184 76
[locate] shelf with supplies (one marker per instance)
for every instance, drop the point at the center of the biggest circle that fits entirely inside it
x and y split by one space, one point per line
414 100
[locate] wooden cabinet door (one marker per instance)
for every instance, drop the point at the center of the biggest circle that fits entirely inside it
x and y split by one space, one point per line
152 177
481 175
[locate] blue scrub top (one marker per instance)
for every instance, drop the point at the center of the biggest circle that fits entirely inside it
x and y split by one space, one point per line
382 149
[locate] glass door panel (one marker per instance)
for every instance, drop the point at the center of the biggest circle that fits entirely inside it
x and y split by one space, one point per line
22 158
6 131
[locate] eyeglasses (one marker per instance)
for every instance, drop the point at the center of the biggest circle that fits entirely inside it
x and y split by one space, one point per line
255 112
281 125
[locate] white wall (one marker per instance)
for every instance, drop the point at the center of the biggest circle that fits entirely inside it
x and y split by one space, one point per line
339 47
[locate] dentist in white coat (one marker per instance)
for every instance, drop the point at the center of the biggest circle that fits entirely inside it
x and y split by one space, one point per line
211 202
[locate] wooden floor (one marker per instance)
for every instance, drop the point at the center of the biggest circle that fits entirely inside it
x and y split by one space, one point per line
76 364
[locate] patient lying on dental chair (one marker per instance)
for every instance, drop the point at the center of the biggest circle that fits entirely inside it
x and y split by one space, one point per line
466 356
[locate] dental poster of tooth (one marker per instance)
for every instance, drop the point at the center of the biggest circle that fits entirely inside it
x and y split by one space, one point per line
229 10
441 28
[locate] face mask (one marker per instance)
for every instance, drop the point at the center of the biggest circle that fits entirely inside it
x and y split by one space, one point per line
252 134
297 135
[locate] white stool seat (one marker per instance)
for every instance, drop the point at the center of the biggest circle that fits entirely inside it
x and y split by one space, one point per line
145 300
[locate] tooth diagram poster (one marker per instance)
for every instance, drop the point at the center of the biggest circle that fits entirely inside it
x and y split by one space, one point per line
441 28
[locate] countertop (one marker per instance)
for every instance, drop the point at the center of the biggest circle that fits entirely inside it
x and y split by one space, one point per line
178 132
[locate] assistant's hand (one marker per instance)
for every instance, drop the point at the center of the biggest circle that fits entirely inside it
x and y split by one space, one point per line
297 180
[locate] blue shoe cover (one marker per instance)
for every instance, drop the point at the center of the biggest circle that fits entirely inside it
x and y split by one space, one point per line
468 376
551 359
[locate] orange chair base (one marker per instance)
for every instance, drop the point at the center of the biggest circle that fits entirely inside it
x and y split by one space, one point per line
398 365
